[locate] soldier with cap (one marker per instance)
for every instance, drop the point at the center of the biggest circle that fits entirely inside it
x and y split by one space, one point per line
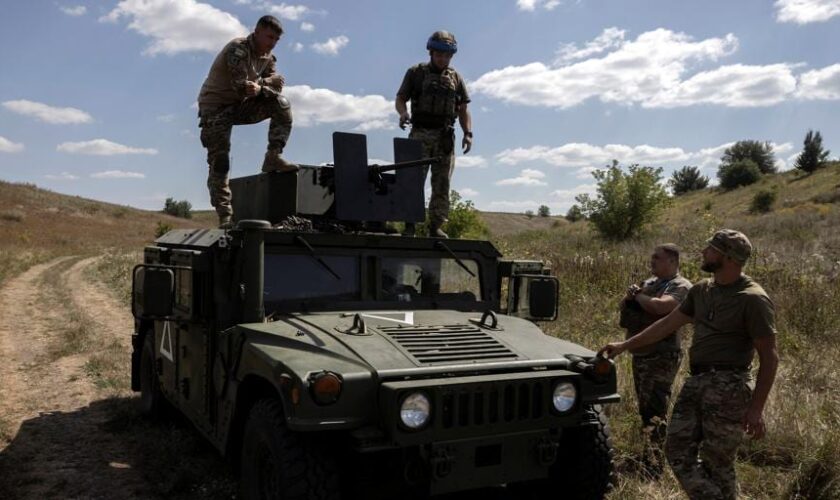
243 87
438 96
733 319
655 366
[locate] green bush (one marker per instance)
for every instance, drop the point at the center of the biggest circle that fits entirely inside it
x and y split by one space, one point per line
763 201
813 156
529 214
741 173
760 153
182 209
464 220
687 179
574 214
543 211
162 228
625 202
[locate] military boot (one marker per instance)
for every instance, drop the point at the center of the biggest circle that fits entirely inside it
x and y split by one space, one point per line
410 229
436 232
274 162
225 222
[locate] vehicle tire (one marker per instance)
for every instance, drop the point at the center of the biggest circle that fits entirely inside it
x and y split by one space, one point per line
584 469
152 402
277 464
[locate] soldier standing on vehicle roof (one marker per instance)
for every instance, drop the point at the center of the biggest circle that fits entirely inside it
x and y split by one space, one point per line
243 87
656 366
438 96
733 317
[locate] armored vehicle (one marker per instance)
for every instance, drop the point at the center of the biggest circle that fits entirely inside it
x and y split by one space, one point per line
346 364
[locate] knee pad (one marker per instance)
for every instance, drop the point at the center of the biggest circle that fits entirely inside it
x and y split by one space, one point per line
221 163
283 102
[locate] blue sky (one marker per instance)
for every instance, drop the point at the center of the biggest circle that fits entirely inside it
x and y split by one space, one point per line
97 99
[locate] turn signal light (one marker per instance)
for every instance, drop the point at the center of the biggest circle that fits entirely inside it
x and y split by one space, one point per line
325 387
602 367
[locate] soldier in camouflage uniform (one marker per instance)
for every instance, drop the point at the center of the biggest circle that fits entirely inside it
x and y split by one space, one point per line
243 87
655 366
438 96
733 319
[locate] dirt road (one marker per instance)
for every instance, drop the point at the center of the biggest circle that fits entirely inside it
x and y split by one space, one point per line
68 423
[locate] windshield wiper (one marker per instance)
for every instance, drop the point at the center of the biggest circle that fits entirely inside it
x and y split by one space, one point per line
457 260
316 257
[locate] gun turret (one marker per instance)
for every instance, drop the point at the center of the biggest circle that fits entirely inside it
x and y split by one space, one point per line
349 190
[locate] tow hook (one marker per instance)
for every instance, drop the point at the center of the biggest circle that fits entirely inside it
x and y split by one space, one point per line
441 463
547 451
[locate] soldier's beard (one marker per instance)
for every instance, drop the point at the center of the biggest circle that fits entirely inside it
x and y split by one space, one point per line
711 267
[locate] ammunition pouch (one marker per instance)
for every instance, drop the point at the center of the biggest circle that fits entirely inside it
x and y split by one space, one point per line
632 317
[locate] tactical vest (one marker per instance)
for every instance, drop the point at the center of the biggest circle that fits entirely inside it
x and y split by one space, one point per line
436 105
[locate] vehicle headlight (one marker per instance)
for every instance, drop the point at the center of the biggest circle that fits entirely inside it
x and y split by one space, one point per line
564 396
415 410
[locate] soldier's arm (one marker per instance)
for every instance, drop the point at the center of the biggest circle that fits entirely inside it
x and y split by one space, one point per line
270 77
465 119
657 305
650 335
237 62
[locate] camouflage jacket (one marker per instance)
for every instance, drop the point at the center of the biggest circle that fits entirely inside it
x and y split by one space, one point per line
235 65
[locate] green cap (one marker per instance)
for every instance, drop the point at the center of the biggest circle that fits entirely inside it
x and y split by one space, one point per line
733 244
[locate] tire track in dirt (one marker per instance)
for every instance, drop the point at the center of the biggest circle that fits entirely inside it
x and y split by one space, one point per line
54 417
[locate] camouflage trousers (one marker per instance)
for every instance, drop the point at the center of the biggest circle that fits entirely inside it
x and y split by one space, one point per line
705 431
216 126
438 142
653 377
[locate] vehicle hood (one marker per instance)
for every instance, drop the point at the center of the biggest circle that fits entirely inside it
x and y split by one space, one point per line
405 343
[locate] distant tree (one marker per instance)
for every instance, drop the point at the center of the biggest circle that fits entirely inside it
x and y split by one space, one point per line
813 156
740 173
182 209
574 214
687 179
543 211
763 201
761 153
529 214
625 202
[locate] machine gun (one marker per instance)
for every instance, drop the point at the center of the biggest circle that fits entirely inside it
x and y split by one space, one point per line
349 190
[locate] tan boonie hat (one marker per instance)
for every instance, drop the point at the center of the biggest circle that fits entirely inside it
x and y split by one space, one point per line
731 243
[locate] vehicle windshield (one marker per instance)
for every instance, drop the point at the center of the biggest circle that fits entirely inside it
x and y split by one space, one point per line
294 277
410 279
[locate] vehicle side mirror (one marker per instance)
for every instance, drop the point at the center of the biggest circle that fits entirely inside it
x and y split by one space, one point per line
153 290
543 295
534 296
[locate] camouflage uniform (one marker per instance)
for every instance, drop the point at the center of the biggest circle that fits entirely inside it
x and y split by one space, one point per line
436 97
223 104
654 367
707 421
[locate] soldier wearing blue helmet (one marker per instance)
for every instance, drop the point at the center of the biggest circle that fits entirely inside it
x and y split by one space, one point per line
438 96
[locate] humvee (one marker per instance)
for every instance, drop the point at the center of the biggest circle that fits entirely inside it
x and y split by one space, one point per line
343 363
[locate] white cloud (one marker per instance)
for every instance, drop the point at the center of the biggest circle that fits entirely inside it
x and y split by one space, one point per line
102 147
283 11
468 192
532 5
78 10
178 25
7 146
586 155
475 161
117 174
307 26
527 177
567 196
806 11
297 47
317 106
63 176
332 46
48 114
820 84
610 38
167 118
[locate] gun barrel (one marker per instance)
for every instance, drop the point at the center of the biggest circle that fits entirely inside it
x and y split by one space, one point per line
378 169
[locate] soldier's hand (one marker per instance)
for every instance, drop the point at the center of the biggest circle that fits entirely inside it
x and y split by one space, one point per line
466 143
611 350
251 89
754 424
404 120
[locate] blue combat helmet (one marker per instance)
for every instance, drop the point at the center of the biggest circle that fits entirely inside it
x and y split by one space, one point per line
442 41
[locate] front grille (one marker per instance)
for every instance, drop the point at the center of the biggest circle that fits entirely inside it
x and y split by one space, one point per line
503 403
448 344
